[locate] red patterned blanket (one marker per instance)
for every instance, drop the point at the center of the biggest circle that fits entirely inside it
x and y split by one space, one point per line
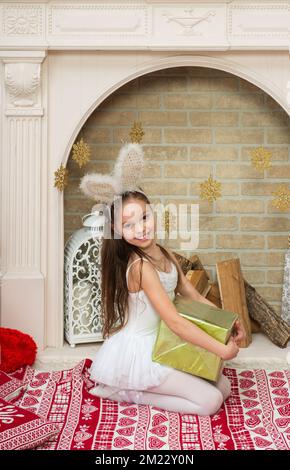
256 415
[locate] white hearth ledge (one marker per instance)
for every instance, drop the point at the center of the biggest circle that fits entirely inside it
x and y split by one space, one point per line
261 354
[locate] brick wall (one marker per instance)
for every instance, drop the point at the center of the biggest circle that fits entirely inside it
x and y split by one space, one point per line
199 121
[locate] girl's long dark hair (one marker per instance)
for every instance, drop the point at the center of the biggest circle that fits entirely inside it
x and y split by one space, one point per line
115 254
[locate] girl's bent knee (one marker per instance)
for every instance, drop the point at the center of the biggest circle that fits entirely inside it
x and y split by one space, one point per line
212 404
226 389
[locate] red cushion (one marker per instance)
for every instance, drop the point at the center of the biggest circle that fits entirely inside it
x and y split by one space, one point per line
21 429
17 349
10 387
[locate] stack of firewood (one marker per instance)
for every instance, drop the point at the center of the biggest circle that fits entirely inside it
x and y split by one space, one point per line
232 292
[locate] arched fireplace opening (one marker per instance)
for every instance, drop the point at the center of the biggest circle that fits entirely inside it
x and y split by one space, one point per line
199 121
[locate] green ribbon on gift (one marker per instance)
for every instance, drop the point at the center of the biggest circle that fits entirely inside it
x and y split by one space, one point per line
173 351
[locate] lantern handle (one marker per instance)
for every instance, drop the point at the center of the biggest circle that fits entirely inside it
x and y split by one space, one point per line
84 217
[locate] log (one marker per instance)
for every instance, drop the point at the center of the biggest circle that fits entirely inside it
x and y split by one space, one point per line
206 290
213 294
191 264
214 297
184 263
232 291
255 326
199 280
197 264
277 330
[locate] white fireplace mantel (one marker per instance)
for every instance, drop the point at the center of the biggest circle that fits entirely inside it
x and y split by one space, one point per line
58 62
155 25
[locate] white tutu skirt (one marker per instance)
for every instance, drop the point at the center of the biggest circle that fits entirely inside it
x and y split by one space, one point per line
124 362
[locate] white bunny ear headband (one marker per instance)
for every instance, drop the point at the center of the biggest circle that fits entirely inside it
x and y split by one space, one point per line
125 176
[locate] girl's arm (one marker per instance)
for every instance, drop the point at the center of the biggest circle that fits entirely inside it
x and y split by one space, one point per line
180 326
186 289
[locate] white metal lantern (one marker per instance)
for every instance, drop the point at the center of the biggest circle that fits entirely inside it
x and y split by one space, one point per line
82 281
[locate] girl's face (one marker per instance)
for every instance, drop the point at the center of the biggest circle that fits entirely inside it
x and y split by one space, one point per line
137 223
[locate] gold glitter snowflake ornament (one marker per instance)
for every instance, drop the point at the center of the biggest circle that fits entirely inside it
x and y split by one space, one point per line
169 222
61 176
136 133
210 189
261 158
81 153
282 200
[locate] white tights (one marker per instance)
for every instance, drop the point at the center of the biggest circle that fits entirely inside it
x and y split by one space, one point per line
180 392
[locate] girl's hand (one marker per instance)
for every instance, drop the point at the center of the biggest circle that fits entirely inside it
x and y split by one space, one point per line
230 350
239 332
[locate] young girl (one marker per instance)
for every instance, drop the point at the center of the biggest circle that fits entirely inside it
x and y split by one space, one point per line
139 280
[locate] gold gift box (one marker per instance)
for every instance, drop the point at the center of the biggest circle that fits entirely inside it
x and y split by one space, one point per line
171 350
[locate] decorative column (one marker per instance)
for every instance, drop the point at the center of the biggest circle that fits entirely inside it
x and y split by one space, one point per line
23 193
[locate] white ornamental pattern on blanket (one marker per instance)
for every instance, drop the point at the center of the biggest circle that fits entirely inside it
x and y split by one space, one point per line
8 413
286 290
10 387
20 429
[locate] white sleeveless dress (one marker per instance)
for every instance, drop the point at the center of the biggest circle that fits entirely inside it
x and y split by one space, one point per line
123 363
